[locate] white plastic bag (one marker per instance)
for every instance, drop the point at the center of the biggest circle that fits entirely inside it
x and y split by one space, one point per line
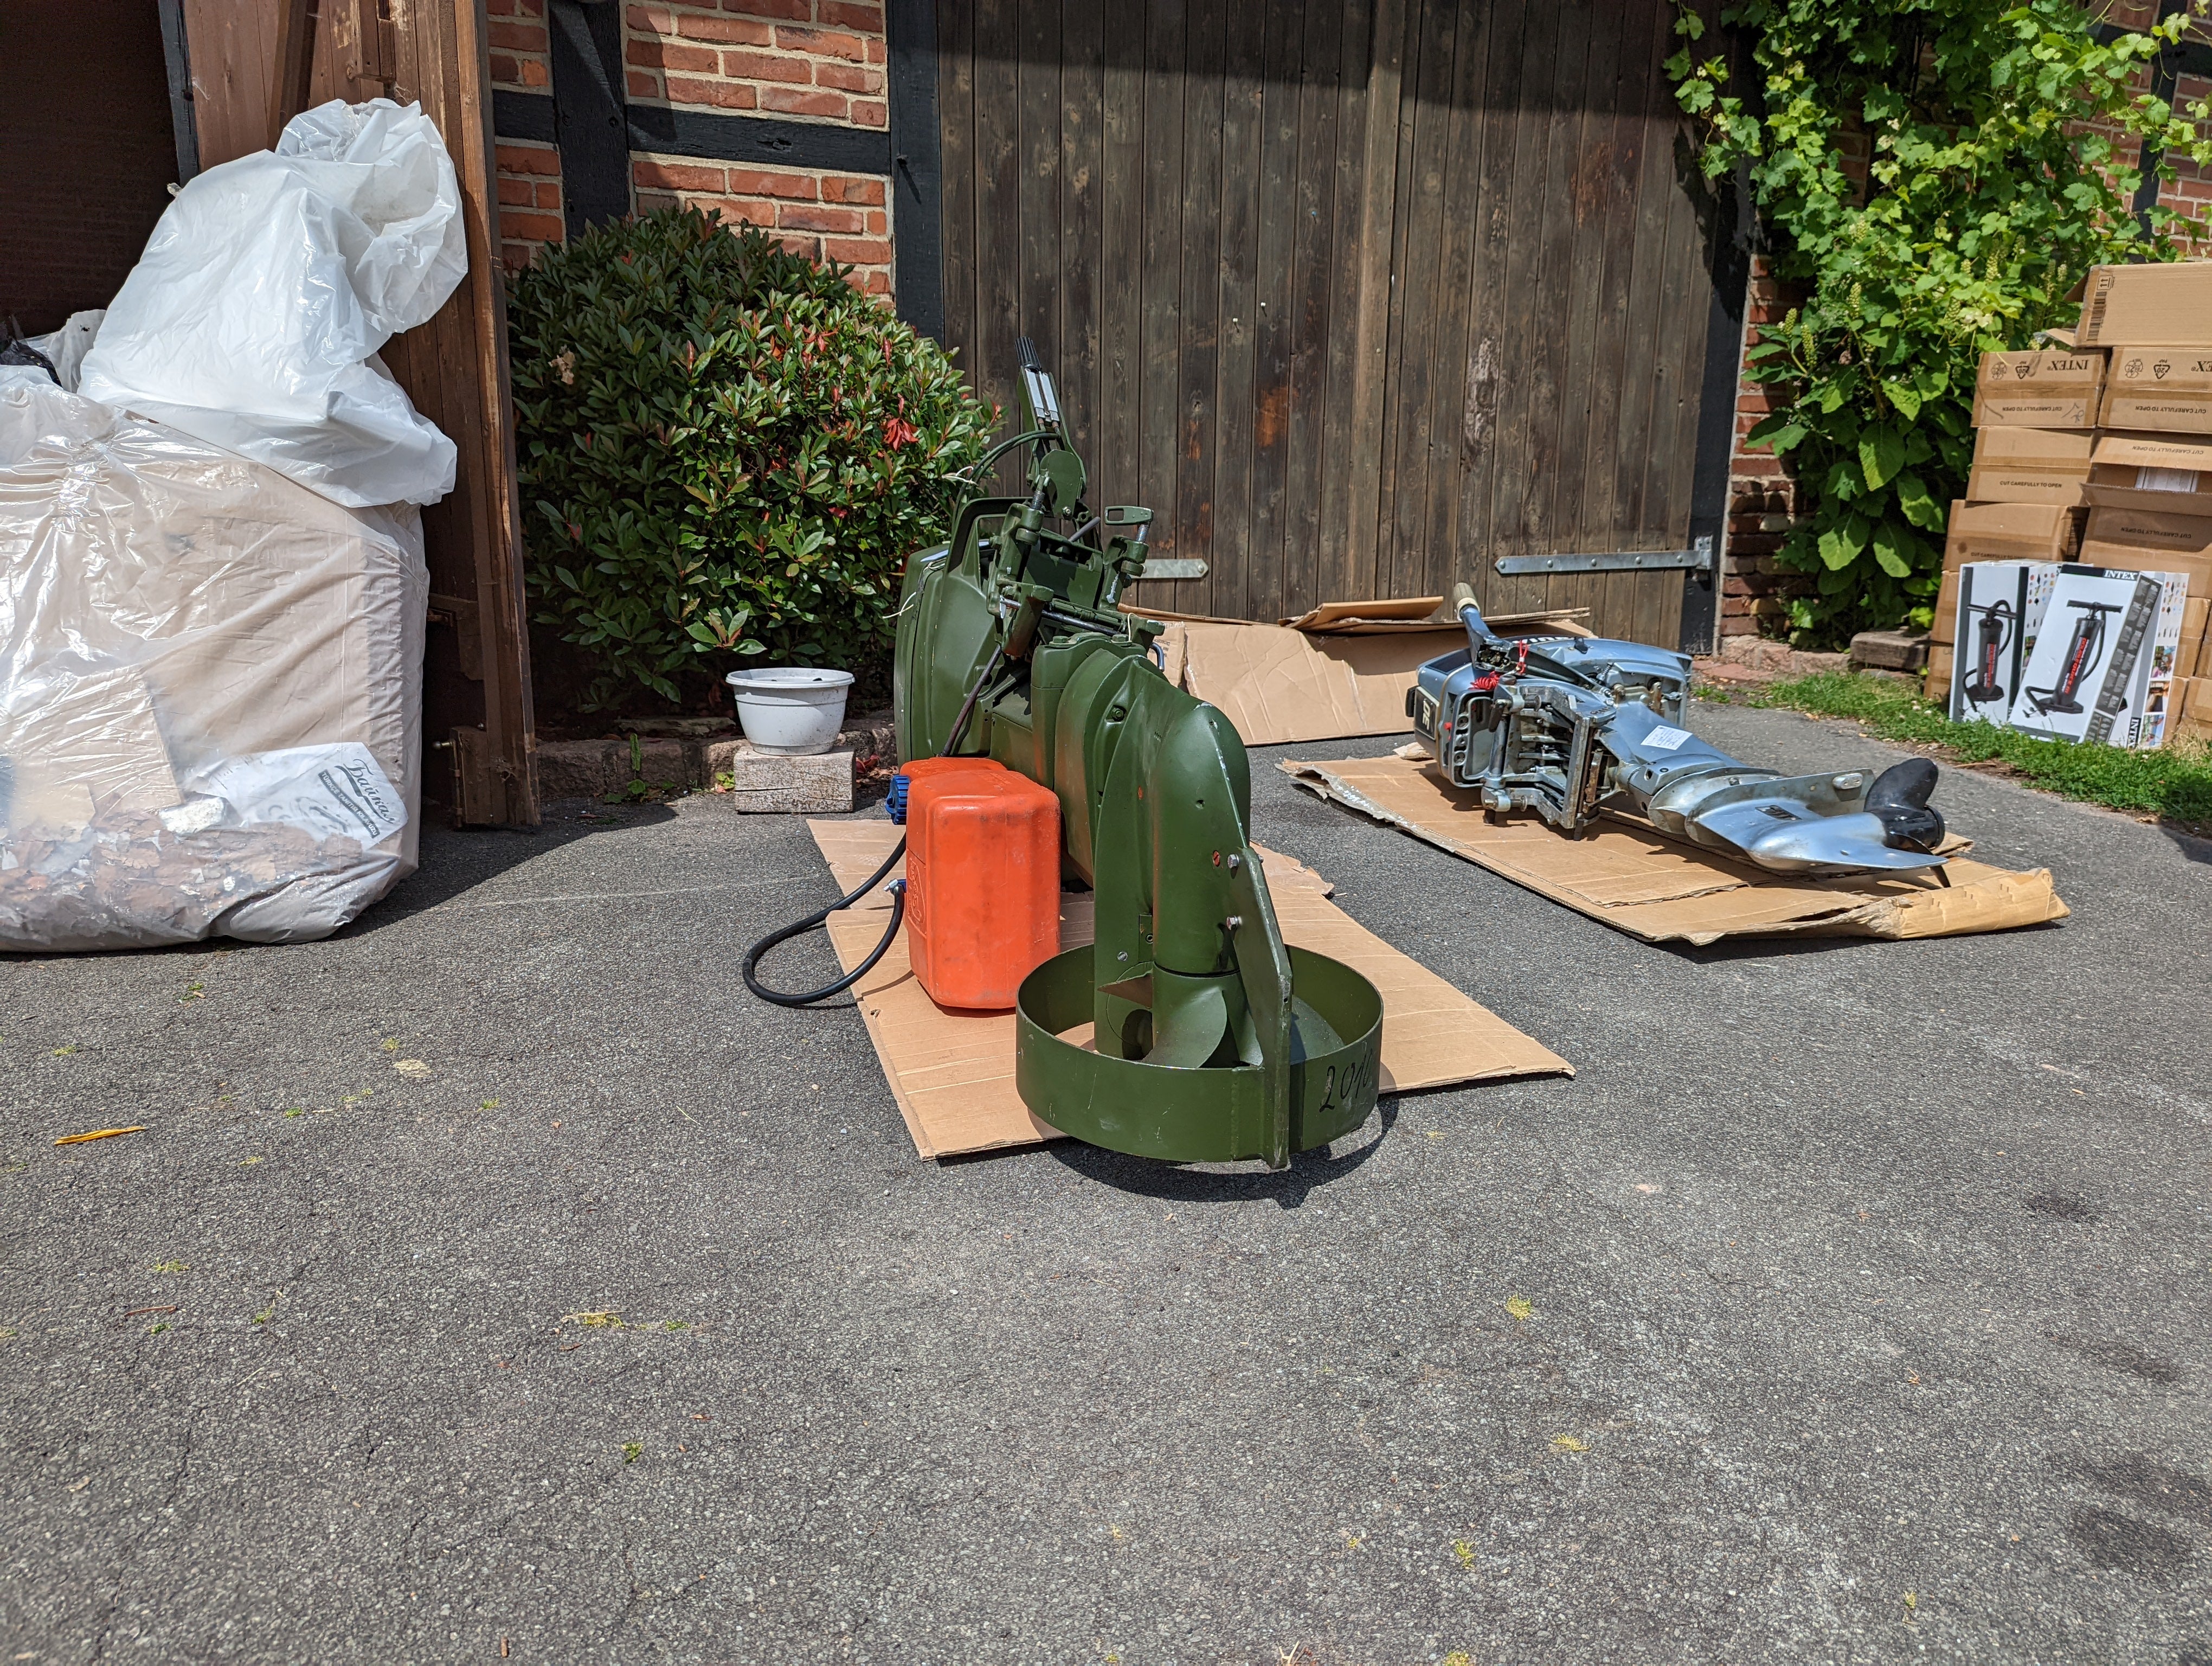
254 316
210 688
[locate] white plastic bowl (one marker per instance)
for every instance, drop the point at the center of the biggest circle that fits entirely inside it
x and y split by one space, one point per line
791 710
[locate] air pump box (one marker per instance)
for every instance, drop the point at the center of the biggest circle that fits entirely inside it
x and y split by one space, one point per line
2101 667
982 879
2000 606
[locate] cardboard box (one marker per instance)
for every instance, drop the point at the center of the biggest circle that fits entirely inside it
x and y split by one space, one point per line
2093 671
2195 617
2140 541
2000 606
2162 303
2192 710
2040 389
2159 473
2031 465
2011 531
2159 390
1935 682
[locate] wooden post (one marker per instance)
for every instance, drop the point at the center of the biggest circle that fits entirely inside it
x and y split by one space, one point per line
477 707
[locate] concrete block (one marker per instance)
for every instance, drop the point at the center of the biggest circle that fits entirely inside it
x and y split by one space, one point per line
767 783
1890 650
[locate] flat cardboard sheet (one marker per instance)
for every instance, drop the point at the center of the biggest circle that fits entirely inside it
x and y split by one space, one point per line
1332 674
1630 878
952 1072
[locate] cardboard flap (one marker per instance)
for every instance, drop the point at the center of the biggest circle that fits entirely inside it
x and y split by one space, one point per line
2050 448
952 1072
1628 876
2155 451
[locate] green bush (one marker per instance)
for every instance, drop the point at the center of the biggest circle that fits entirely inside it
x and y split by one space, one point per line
1995 183
725 451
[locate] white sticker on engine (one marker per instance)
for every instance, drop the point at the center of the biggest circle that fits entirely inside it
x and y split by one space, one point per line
1664 739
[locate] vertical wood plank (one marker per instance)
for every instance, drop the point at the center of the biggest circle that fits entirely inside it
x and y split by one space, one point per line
1277 209
1159 362
233 62
1365 193
1521 353
1122 203
1465 154
1482 411
1037 145
1432 126
999 217
955 140
1082 173
1199 298
1243 116
1589 237
1320 123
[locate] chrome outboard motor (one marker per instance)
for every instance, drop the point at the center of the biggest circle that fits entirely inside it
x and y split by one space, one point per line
1569 726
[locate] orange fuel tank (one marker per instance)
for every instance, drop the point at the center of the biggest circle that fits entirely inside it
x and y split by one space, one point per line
982 879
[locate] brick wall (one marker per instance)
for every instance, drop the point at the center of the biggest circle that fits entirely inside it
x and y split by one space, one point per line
802 60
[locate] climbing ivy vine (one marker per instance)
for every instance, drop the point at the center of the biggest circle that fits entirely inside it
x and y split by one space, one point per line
2001 146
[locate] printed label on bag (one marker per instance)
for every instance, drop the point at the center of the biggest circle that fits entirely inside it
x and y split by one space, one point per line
1663 739
331 791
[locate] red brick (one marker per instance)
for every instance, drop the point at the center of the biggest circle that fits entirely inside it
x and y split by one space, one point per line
729 31
858 251
514 256
836 189
499 8
809 246
862 16
503 71
518 192
651 19
722 93
875 52
548 194
667 55
803 216
870 115
795 187
821 43
879 224
532 159
874 283
795 101
545 228
680 176
767 66
800 9
852 78
533 74
517 36
643 85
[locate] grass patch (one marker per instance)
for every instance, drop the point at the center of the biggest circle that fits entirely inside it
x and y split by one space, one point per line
2174 783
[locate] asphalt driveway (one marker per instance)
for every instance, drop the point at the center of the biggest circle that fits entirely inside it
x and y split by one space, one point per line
500 1281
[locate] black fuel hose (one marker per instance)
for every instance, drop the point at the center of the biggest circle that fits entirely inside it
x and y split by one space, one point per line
797 927
784 934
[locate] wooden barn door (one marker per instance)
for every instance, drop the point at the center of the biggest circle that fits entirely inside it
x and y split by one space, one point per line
1360 295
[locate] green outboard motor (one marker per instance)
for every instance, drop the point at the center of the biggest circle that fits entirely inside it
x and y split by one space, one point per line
1209 1039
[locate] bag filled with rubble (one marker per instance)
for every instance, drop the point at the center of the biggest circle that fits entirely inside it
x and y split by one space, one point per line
211 688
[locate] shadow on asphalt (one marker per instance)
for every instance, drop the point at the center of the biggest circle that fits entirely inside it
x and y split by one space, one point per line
1177 1182
456 861
2197 849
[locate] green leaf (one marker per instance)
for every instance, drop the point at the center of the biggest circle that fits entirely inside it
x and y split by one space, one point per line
1840 545
1917 506
1881 454
1890 554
